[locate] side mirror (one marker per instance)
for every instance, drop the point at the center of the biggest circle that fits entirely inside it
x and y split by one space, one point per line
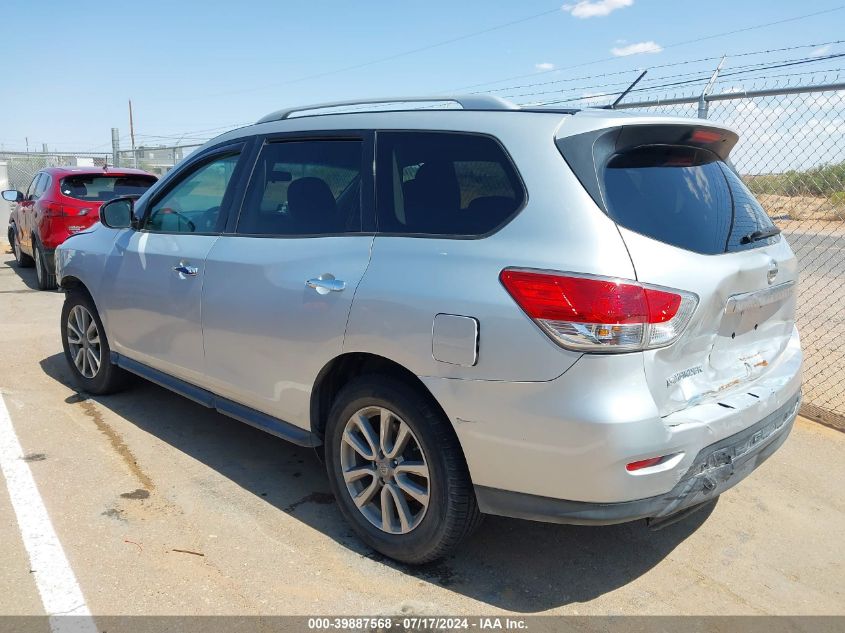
117 213
12 195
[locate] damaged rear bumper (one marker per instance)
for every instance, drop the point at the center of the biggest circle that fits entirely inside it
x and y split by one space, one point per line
715 469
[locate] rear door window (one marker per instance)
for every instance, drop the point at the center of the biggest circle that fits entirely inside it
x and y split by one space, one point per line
310 187
441 183
684 196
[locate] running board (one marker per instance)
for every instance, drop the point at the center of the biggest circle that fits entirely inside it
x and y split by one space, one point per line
267 423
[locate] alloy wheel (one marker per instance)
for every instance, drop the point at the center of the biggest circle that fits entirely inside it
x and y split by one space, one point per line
83 339
385 470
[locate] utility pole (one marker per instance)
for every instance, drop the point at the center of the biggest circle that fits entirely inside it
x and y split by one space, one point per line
132 136
115 147
703 106
27 145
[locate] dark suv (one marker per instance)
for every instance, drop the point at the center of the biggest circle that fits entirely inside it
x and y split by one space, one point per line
59 202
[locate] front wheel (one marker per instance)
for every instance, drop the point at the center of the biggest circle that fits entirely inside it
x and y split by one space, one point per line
23 260
397 470
86 346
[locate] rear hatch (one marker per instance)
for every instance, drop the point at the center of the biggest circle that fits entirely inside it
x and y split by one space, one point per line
690 223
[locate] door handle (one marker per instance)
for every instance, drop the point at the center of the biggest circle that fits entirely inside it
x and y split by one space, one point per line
325 284
185 269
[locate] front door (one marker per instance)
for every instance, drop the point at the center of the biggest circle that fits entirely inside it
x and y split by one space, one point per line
26 213
155 282
278 292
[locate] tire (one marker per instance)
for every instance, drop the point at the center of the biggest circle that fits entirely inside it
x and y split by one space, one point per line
23 260
97 378
45 280
429 531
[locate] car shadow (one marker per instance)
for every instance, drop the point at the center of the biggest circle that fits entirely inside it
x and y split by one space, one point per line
27 275
511 564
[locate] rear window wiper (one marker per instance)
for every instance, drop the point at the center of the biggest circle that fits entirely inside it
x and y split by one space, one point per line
756 236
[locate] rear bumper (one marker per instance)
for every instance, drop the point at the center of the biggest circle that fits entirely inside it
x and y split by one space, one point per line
714 470
569 439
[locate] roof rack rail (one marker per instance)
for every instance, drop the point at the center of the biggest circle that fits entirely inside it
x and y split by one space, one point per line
467 102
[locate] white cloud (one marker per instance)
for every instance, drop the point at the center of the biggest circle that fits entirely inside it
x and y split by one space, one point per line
595 8
820 51
635 49
544 66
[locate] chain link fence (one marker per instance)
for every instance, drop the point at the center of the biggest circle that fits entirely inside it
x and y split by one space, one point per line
17 169
791 154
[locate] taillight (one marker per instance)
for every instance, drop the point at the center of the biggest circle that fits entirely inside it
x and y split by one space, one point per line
52 209
598 314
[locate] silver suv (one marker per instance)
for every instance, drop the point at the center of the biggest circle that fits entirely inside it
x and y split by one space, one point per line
572 316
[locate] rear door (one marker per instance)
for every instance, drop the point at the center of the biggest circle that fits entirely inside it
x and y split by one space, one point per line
690 223
154 285
278 291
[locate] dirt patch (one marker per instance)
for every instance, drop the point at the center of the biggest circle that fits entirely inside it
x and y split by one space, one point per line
117 443
802 207
138 493
113 513
321 498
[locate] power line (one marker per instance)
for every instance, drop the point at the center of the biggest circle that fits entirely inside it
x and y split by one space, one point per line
394 56
658 66
690 81
676 44
746 68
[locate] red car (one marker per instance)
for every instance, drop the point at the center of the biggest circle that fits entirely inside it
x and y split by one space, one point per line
59 202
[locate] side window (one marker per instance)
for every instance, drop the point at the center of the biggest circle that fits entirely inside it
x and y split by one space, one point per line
41 187
193 205
30 191
749 216
304 188
439 183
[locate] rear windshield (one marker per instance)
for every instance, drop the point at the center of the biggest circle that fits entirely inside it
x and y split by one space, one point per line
684 196
96 188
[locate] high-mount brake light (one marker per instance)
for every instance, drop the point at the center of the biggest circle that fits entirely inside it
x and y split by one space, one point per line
598 314
705 136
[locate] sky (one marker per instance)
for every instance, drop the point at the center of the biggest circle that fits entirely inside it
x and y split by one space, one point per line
193 69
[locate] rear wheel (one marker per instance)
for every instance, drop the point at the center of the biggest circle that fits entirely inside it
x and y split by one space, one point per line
86 346
23 260
46 280
397 470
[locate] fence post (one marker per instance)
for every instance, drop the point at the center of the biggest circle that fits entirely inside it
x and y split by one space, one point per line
115 147
702 100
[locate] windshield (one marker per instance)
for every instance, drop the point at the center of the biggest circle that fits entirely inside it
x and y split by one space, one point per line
97 188
684 196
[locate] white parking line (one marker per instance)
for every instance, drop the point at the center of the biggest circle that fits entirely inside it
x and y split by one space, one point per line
56 582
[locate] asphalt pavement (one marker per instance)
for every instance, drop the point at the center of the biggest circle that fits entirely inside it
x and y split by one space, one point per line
161 506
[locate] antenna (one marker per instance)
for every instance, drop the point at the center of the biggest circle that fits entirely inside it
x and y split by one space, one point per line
625 93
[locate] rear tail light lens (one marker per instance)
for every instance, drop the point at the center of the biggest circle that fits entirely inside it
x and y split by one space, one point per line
597 314
52 210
